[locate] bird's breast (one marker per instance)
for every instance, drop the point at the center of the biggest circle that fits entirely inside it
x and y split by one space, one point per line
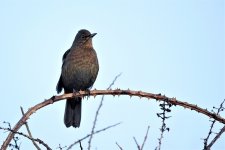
80 70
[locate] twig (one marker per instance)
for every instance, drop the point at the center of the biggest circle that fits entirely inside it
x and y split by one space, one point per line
60 147
216 138
15 139
97 112
28 130
80 145
146 136
87 136
27 136
206 146
163 117
119 146
138 146
128 92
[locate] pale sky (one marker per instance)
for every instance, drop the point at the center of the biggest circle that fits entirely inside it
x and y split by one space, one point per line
173 47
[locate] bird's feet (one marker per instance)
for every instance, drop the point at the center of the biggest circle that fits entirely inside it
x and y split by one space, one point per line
88 93
76 92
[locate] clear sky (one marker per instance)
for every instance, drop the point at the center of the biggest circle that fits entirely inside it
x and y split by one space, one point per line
173 47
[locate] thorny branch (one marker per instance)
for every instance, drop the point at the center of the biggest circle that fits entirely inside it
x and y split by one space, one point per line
157 97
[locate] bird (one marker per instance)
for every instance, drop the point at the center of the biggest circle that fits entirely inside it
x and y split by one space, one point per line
78 72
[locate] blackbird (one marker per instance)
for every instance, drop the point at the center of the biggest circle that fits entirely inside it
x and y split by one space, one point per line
79 72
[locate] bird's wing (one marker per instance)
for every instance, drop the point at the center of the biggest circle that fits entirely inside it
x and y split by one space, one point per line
60 85
65 55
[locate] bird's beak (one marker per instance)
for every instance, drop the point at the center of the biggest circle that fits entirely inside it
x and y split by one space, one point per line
93 34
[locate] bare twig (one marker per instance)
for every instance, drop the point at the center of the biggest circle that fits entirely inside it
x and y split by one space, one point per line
80 145
27 136
97 112
87 136
60 147
119 146
206 146
138 146
146 136
128 92
28 130
216 138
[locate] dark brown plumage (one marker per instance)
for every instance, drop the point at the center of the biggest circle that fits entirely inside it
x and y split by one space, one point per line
79 72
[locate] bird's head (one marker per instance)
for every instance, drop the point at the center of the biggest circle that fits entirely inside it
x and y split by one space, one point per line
83 38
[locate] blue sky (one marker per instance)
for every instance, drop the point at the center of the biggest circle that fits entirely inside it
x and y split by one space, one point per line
173 47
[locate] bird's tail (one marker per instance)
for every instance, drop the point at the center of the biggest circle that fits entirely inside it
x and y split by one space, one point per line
72 116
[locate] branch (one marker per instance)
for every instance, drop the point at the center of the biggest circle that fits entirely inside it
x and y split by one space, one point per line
60 147
97 112
118 92
216 138
146 136
27 136
78 141
80 145
138 146
15 138
206 146
119 146
28 130
166 109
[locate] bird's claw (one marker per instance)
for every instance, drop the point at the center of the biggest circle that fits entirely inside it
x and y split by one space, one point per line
88 93
76 92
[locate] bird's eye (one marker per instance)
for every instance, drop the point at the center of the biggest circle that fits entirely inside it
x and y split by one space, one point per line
83 37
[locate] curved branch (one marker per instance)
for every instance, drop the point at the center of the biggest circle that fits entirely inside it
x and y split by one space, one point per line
118 92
